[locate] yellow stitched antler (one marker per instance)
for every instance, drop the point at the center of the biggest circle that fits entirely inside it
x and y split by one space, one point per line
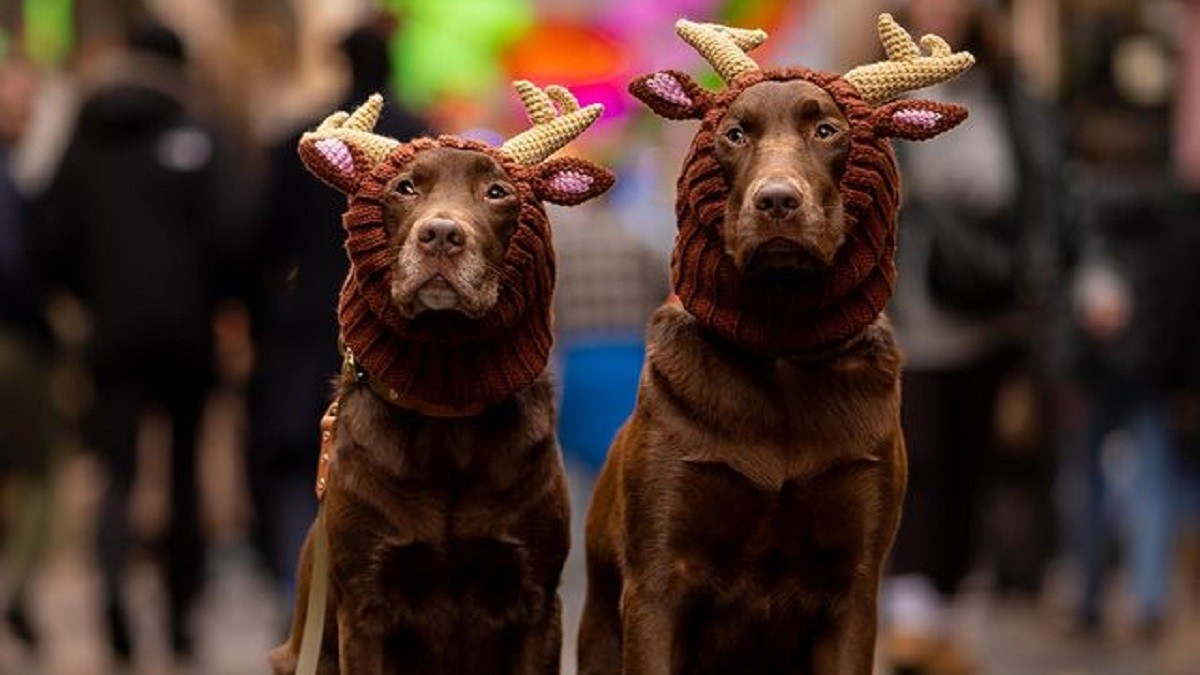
552 127
356 129
723 47
906 69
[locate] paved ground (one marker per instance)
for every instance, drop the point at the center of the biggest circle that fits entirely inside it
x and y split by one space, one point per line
240 617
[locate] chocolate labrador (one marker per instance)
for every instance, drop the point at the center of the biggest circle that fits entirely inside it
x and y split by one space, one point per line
742 519
445 502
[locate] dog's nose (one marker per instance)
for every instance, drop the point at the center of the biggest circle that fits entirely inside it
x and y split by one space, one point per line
442 236
777 198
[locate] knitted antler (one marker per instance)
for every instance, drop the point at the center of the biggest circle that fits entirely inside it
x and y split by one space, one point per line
906 69
552 127
355 130
724 47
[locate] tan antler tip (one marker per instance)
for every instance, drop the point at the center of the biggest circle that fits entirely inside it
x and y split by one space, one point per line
566 101
897 42
367 114
334 121
722 46
537 104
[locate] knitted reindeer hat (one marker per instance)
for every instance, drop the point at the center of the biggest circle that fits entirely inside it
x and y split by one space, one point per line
832 306
441 363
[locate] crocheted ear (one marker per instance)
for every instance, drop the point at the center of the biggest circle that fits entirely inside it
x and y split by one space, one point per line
916 120
672 94
336 161
568 181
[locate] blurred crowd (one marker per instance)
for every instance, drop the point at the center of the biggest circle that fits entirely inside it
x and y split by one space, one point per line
162 246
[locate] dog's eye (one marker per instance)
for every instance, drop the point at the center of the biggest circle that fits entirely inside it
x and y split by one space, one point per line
826 130
406 188
735 135
497 191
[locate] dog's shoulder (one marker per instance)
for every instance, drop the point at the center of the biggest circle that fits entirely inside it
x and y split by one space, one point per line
874 358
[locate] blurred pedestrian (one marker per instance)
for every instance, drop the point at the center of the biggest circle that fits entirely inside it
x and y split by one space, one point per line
26 411
1126 326
970 204
1123 333
295 323
138 223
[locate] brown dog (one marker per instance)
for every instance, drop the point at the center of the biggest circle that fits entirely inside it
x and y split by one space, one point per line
446 506
745 510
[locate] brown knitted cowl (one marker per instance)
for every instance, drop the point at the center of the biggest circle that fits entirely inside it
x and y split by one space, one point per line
441 363
813 313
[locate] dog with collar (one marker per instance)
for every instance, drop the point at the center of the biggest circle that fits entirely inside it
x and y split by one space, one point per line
445 507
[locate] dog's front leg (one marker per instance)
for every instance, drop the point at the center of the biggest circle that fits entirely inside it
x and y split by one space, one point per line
649 634
360 640
540 649
846 646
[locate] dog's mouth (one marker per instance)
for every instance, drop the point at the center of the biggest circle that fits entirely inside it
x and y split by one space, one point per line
781 257
437 295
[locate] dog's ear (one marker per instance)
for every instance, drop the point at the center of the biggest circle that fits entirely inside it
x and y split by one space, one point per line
672 94
336 162
343 149
568 181
916 120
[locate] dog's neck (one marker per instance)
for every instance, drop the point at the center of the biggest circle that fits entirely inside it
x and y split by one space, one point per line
443 378
809 315
828 353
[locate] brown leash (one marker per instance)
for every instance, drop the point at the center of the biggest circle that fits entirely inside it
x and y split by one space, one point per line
318 582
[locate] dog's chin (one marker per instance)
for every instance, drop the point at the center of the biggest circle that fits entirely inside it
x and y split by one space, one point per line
439 295
437 300
781 259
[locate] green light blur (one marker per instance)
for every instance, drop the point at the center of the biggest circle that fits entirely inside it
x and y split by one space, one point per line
454 46
48 32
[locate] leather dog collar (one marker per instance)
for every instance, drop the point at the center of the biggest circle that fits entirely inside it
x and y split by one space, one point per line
352 370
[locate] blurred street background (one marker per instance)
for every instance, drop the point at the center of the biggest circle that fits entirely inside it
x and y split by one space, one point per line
169 273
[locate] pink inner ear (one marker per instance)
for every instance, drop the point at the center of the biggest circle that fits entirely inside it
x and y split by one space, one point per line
668 88
337 154
925 119
571 182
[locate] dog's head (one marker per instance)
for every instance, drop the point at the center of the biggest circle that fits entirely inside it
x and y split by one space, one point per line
783 148
450 207
791 175
448 238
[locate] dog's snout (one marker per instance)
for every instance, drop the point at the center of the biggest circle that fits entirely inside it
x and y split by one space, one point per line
441 236
777 198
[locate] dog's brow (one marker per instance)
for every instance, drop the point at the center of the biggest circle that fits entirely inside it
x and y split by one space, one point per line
483 167
810 108
422 171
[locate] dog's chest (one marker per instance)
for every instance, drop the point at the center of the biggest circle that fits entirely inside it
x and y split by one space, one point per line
773 548
445 519
792 429
781 470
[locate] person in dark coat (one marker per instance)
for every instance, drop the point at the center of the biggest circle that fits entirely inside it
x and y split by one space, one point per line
296 331
1126 331
136 223
27 421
